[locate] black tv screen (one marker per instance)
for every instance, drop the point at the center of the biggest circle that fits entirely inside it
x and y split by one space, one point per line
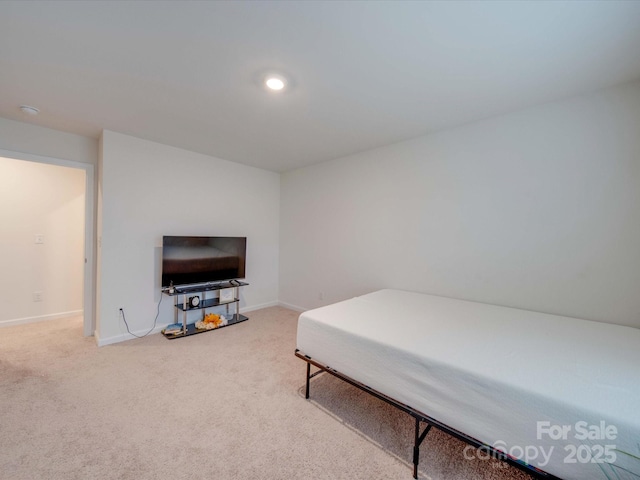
194 260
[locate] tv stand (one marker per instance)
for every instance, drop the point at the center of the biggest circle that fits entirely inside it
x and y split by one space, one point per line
187 292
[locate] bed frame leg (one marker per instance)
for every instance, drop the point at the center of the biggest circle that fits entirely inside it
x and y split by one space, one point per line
306 395
416 446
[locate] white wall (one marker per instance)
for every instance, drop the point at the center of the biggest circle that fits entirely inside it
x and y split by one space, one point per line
148 190
40 199
538 209
36 140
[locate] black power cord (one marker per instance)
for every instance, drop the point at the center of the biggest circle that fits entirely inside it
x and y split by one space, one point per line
154 321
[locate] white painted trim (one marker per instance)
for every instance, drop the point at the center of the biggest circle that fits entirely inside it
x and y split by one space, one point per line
258 307
42 159
293 307
89 227
89 260
39 318
101 342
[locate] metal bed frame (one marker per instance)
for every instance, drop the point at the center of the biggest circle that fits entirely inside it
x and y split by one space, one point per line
420 417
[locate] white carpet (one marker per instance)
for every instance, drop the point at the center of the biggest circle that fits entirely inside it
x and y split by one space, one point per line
227 404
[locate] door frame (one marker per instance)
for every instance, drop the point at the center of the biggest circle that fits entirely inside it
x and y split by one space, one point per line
89 290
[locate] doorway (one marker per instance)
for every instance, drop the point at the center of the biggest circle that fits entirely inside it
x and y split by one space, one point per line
46 208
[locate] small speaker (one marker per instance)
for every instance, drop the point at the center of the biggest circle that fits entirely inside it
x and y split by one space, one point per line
194 301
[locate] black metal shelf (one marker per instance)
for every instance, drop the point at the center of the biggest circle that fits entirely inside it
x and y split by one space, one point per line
192 330
206 287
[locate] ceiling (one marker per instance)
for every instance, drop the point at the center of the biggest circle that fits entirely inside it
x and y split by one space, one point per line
361 74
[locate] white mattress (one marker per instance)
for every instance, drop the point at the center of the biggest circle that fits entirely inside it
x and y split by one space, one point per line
492 372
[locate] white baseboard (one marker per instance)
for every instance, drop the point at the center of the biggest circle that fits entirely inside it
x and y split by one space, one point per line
293 307
40 318
101 342
258 307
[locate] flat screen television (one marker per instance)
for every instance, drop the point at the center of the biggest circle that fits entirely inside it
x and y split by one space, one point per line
197 260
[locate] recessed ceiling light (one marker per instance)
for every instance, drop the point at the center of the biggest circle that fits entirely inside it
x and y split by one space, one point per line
275 82
29 110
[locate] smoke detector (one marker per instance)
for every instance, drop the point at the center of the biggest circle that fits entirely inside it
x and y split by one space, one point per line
29 110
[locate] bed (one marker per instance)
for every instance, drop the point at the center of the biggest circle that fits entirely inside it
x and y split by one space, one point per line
557 396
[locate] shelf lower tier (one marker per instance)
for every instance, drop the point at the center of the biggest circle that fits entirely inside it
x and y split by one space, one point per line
192 330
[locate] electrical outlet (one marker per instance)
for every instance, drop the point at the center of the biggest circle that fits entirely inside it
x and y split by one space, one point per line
37 296
321 296
39 238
